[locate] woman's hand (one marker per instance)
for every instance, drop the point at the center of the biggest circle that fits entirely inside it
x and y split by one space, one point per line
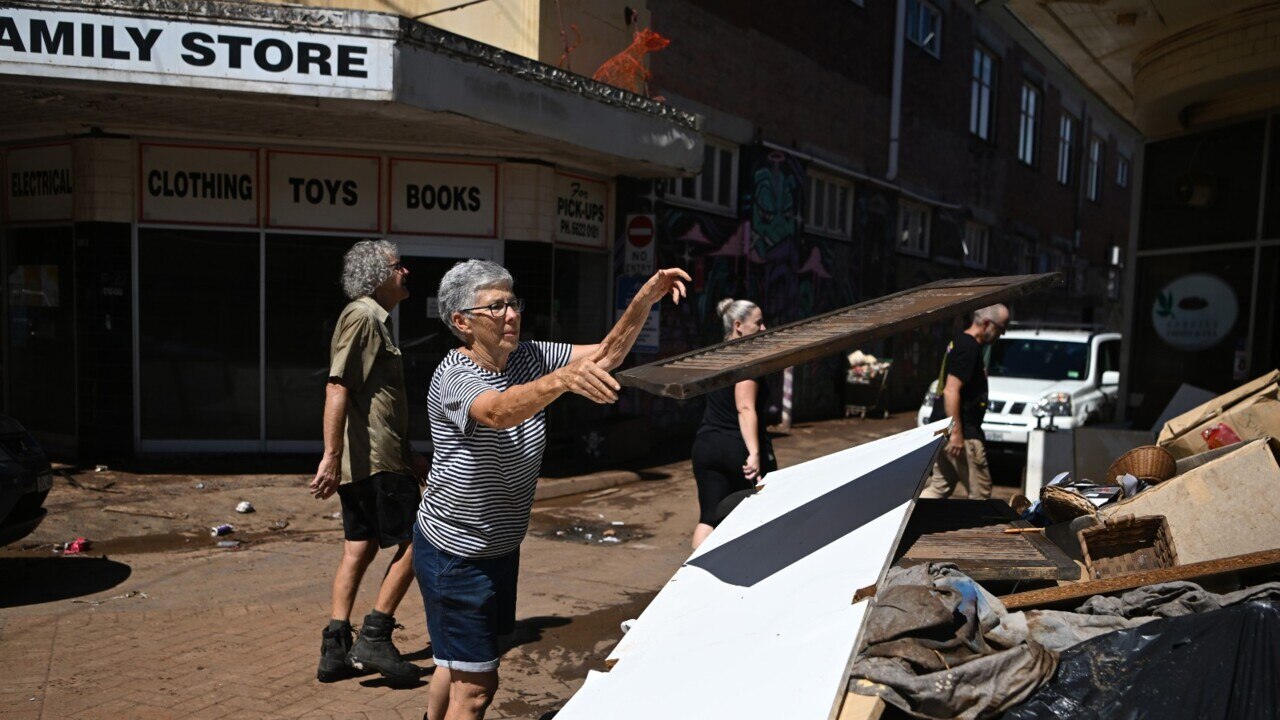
668 280
751 468
584 377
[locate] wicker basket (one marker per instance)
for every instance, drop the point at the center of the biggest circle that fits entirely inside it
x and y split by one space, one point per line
1062 505
1127 544
1150 463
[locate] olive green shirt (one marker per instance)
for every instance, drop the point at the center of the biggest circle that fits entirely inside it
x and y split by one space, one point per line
364 358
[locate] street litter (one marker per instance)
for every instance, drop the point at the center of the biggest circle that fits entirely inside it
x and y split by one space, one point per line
279 524
198 486
244 506
617 523
105 487
335 516
142 513
100 468
228 543
223 529
77 546
125 596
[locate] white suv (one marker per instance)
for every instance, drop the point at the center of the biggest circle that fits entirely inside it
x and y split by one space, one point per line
1040 376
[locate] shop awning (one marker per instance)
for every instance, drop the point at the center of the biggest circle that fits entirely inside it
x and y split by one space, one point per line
332 77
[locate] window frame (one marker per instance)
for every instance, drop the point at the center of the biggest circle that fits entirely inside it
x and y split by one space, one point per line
908 210
1122 171
1066 148
1029 124
818 226
971 258
1096 165
933 48
674 187
986 131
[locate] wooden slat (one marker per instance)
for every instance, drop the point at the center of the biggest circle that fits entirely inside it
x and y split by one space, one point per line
711 368
861 707
1266 562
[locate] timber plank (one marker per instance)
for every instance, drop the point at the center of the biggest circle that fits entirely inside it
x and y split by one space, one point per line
861 707
706 369
1266 562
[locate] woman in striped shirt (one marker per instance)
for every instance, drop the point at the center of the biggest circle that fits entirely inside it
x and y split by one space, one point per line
485 405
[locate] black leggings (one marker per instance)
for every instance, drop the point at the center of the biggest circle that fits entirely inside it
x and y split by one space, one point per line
717 468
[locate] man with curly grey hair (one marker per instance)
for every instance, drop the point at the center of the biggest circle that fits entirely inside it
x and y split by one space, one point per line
368 462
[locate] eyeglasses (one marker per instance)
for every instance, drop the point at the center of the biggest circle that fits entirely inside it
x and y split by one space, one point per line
499 309
1001 328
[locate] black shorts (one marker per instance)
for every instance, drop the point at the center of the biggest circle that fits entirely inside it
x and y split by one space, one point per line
717 468
382 507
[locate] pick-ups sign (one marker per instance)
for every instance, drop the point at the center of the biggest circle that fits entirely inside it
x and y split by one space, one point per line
114 48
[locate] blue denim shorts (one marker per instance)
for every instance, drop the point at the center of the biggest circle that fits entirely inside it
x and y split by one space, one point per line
470 604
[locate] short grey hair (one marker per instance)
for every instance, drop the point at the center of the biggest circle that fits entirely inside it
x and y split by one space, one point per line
462 284
990 313
366 266
730 310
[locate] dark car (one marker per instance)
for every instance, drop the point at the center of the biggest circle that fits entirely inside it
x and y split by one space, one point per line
25 480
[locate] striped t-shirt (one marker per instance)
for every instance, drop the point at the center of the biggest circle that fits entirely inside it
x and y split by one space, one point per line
480 488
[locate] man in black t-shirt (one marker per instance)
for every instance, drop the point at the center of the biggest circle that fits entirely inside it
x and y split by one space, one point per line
963 398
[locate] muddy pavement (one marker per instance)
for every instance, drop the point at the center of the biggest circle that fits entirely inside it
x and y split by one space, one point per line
156 620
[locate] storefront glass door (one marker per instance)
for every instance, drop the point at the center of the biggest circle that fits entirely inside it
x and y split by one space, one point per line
41 332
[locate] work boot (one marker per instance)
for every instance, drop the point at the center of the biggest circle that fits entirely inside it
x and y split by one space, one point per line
375 651
334 647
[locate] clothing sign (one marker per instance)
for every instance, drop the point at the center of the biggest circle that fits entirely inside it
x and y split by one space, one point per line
434 197
582 210
322 192
199 185
37 183
647 341
1195 312
117 48
641 254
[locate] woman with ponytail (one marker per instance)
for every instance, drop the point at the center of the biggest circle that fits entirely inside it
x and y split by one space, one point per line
732 451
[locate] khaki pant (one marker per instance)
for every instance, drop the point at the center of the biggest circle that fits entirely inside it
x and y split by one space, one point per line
970 469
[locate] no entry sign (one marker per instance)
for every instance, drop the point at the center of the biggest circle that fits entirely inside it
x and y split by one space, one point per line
641 248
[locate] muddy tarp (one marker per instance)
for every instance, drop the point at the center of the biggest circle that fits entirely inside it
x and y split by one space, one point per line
1218 664
937 645
1059 630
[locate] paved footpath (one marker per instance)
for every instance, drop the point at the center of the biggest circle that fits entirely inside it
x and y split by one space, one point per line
169 626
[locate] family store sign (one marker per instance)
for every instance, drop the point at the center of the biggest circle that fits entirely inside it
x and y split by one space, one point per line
114 48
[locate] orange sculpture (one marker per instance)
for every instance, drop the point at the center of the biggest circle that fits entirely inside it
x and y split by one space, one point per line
626 69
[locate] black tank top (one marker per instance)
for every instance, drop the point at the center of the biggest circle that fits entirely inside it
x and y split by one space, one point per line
721 414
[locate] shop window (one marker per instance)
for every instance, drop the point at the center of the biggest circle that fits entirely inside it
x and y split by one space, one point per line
304 299
1203 189
982 93
977 238
924 26
198 334
1066 138
716 186
1028 124
829 207
41 368
913 228
1093 189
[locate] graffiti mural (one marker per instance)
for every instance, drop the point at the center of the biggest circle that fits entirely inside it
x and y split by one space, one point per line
762 254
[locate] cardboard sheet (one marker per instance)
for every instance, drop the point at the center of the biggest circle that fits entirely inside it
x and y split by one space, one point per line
760 621
1228 506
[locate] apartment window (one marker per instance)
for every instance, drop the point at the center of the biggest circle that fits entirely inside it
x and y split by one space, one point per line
913 228
830 206
1066 135
1094 179
1028 124
982 93
976 243
924 26
1122 171
716 186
